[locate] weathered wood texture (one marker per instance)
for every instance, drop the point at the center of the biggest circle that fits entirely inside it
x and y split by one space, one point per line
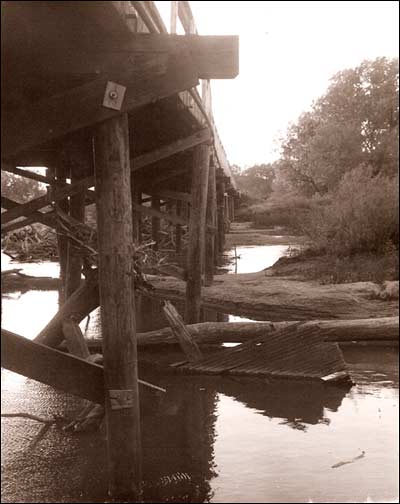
178 228
79 305
79 157
80 107
155 222
44 218
197 225
189 347
153 212
182 144
211 222
64 190
53 367
74 338
136 193
117 301
384 329
39 362
221 215
293 352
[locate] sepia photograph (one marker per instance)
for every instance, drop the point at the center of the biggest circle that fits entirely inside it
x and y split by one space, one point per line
199 251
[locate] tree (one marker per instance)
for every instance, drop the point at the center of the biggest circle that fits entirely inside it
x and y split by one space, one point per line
355 123
256 181
20 189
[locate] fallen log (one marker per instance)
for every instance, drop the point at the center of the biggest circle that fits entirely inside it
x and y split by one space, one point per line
385 329
15 280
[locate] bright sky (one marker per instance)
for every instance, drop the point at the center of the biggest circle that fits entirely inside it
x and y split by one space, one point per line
288 52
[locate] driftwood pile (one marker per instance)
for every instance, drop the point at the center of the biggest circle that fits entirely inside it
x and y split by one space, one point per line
31 243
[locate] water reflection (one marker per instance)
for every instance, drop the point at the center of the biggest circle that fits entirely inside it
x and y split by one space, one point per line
253 259
210 439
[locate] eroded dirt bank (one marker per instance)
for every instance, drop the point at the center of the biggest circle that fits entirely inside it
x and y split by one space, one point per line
273 295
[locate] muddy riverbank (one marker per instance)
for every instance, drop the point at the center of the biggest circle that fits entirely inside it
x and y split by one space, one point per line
267 286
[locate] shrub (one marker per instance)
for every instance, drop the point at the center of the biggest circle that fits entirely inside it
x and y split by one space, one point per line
283 209
361 216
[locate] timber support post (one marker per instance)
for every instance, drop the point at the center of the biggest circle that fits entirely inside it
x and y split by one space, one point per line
211 225
197 225
61 174
117 301
155 222
178 228
79 159
221 215
136 216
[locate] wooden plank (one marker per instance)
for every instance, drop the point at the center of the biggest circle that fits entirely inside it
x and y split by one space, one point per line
53 367
160 215
117 302
25 173
197 226
186 17
80 304
174 16
145 82
44 218
178 228
76 343
187 344
204 135
166 193
292 352
211 221
62 371
79 157
155 221
220 216
137 162
28 208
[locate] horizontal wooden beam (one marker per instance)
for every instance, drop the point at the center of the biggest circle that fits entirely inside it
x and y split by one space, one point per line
212 56
26 173
44 218
146 81
166 193
32 206
175 219
202 136
137 162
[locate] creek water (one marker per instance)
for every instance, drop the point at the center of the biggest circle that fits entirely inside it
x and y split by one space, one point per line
210 439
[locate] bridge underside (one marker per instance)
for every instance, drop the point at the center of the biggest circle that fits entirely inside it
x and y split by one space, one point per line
103 97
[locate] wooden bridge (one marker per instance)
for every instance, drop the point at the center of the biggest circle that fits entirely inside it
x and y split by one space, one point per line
106 98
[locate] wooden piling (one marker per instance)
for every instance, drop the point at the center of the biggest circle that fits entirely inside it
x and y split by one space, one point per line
221 215
178 228
232 208
61 175
197 223
211 225
80 160
155 222
136 215
117 300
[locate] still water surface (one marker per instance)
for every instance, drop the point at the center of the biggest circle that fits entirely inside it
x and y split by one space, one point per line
211 439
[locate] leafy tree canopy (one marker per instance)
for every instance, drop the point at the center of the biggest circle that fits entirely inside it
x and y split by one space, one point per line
355 123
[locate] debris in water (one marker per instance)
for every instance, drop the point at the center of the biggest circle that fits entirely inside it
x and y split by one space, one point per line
349 461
